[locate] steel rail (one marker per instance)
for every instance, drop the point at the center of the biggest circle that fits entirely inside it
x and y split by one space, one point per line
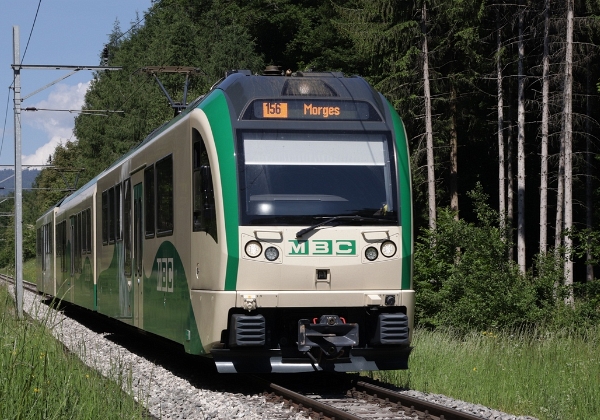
305 403
415 405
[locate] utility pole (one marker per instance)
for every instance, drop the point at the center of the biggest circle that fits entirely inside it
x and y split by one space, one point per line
18 178
17 67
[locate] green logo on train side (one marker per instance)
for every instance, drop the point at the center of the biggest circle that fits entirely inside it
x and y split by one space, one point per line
322 247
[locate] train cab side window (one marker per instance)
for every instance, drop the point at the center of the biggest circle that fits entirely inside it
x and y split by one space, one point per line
164 196
205 217
105 218
149 200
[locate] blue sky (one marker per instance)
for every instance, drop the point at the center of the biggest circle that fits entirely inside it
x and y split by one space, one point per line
66 32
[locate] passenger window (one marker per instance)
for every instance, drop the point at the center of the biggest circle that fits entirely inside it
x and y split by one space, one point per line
205 218
149 200
111 217
127 226
117 206
88 212
105 218
164 196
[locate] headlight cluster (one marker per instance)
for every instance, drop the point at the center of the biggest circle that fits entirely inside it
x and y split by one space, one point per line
387 248
254 249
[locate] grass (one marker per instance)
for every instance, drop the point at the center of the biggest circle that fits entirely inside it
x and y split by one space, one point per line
552 375
38 379
29 270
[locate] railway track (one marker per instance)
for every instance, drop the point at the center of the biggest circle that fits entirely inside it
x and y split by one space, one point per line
361 400
27 285
338 396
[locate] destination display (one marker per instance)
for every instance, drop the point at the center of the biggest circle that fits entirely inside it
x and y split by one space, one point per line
312 110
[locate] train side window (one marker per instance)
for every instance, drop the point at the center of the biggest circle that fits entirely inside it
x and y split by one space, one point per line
88 227
72 224
62 227
164 196
78 243
105 218
117 207
127 226
205 217
84 232
38 241
149 200
51 238
111 215
48 238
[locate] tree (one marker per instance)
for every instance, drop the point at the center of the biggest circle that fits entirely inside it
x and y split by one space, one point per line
568 141
428 124
521 257
544 128
501 163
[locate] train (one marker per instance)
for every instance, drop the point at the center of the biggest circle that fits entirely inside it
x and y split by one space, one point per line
267 226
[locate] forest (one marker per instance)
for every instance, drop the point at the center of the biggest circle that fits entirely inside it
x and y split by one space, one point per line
500 104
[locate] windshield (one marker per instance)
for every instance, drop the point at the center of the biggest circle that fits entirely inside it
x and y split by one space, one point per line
289 178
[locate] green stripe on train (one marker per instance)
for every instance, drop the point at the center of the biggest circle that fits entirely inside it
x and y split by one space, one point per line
404 181
167 308
217 111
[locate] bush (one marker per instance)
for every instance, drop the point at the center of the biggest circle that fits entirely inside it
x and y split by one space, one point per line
464 279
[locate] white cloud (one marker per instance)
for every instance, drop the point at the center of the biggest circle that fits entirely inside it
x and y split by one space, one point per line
58 125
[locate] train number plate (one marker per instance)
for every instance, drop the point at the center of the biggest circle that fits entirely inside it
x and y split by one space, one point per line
275 110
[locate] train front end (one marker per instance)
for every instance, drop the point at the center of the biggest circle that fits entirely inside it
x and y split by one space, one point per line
320 242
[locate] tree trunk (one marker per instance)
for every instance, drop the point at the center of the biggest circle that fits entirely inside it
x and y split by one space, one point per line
560 196
521 147
510 175
589 275
501 175
453 153
545 115
428 125
568 116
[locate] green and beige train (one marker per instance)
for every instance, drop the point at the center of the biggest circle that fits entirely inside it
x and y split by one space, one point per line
268 226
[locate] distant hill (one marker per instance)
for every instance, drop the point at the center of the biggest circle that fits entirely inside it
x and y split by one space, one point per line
7 180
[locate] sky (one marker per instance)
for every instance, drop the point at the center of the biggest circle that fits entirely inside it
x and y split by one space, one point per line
66 32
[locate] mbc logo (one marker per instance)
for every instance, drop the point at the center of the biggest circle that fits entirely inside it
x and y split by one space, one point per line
323 247
164 275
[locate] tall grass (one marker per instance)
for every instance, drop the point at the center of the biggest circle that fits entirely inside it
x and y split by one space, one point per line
39 380
549 375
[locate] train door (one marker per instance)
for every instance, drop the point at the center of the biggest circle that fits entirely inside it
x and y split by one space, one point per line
138 272
127 248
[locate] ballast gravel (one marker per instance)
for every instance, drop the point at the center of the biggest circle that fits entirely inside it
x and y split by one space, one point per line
168 396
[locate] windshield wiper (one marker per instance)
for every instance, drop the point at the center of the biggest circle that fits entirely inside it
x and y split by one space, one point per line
302 232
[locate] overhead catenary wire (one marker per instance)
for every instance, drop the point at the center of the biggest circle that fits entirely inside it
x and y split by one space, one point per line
93 112
5 117
31 32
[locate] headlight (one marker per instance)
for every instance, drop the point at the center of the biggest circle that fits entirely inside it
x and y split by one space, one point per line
371 253
253 249
388 248
271 253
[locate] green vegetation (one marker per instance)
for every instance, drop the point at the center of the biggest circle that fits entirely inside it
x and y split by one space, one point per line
549 375
38 379
464 280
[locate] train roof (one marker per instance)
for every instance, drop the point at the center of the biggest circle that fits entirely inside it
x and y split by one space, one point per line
242 87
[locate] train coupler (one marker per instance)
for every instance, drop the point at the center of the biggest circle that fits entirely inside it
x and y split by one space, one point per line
331 334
